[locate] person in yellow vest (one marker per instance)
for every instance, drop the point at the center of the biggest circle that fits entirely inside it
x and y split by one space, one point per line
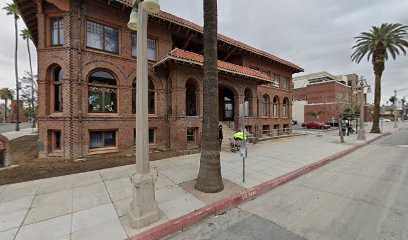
239 136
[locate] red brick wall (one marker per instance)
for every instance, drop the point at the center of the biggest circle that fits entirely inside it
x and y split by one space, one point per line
13 117
77 63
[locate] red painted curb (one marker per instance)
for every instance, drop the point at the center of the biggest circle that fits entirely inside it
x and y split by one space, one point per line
182 222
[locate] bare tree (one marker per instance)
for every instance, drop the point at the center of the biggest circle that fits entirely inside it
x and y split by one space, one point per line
336 110
29 93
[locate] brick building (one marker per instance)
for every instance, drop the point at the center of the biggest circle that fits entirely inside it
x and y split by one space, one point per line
87 61
12 116
327 92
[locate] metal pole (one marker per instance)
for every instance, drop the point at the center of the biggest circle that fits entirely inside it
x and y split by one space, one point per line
144 209
395 109
403 110
361 132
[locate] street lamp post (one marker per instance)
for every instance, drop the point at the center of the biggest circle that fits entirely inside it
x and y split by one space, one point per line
403 109
144 209
361 84
395 109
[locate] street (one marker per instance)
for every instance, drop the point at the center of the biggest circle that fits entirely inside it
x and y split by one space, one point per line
360 196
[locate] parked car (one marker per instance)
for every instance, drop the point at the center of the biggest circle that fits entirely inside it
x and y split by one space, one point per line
385 120
294 122
315 125
333 123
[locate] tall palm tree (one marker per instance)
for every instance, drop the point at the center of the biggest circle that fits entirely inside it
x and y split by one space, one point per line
209 176
12 9
378 44
6 94
26 35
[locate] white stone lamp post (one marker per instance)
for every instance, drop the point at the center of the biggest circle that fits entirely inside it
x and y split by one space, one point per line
361 84
144 209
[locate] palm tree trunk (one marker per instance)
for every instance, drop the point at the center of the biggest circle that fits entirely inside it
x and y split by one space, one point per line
341 130
16 72
377 99
209 176
5 111
32 84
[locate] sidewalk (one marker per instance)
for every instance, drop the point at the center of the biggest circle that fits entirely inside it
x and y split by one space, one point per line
16 134
94 205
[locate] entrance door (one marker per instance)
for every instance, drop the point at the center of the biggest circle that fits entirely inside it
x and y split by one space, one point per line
228 109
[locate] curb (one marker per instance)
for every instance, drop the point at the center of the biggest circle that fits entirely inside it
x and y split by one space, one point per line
184 221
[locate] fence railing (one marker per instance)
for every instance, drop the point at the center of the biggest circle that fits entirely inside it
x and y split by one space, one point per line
275 132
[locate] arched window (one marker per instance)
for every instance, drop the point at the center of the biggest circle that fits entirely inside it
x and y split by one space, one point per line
57 89
134 97
102 93
264 105
275 106
152 98
191 99
285 107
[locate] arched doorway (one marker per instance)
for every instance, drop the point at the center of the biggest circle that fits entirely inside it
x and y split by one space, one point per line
226 104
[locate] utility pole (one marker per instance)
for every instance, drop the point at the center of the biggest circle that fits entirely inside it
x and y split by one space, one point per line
395 109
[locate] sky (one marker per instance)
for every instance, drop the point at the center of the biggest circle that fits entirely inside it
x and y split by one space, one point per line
315 34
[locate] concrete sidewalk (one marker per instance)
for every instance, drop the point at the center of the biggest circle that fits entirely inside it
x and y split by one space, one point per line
23 132
94 205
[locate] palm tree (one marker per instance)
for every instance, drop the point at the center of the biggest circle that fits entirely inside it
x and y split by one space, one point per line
209 176
378 44
6 94
26 35
316 114
12 9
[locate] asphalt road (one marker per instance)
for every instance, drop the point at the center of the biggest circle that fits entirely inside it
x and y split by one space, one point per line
361 196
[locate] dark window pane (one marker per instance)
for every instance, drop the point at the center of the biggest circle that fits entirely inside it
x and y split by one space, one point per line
134 97
191 134
110 139
110 100
151 85
94 36
264 106
111 39
95 99
57 74
134 45
58 98
96 139
102 139
151 98
54 37
102 77
151 105
58 140
151 136
61 31
191 100
151 49
57 31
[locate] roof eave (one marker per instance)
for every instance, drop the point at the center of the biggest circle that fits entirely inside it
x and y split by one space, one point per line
168 58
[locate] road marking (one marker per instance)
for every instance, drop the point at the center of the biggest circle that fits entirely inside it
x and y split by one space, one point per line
405 146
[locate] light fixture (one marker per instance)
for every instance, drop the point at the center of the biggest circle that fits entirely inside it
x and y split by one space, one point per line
151 6
132 24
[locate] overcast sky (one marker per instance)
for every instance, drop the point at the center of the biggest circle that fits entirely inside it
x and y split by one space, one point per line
315 34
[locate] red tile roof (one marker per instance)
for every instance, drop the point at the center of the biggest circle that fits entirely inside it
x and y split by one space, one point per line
180 21
194 58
